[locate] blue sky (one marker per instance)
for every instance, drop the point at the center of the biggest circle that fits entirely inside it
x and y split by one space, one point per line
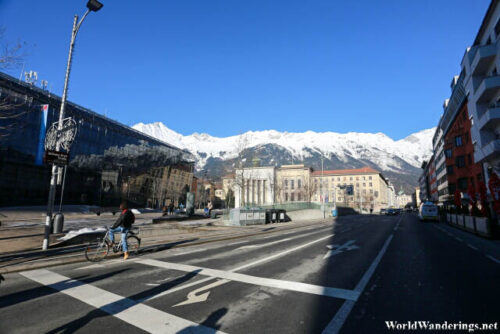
226 67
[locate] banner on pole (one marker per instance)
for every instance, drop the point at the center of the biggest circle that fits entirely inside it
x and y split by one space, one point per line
41 134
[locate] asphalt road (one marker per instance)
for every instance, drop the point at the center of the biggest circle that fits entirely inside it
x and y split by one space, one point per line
350 276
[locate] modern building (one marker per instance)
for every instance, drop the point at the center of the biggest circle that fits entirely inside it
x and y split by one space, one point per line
107 160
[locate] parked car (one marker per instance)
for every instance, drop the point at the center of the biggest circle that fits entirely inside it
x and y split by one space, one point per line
383 211
392 212
428 211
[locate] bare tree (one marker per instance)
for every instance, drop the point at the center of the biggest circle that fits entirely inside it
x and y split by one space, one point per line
310 188
12 106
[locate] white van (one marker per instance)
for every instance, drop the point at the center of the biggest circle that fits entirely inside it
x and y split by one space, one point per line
428 211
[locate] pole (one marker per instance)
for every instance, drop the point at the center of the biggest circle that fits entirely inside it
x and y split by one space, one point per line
62 189
53 178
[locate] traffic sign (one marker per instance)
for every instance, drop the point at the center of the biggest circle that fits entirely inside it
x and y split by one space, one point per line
56 158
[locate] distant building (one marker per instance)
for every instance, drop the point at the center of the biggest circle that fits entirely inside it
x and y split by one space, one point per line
293 184
254 186
370 188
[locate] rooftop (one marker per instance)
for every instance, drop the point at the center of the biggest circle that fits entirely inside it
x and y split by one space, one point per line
363 170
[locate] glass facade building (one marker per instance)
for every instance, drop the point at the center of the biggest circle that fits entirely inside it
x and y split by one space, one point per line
108 161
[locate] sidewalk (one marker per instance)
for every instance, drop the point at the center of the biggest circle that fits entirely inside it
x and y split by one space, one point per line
21 249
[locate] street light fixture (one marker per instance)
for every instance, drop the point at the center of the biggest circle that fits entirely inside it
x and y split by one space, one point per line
92 6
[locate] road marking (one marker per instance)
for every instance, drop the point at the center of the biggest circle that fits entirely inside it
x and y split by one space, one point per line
336 249
130 311
470 246
192 297
190 251
261 281
237 243
264 245
340 317
269 236
458 239
248 265
493 259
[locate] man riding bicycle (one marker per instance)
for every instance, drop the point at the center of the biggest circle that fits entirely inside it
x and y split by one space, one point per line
122 224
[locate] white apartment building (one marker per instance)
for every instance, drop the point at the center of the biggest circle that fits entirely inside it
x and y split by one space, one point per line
481 79
440 162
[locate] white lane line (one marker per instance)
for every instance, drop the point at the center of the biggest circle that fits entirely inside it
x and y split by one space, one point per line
139 315
264 245
340 317
269 236
260 281
493 259
458 239
237 243
470 246
248 265
190 251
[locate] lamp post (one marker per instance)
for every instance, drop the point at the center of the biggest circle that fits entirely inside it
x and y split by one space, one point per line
92 6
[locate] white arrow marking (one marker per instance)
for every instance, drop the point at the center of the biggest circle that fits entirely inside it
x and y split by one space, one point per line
336 249
192 297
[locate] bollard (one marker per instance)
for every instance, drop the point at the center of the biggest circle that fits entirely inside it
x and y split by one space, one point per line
58 222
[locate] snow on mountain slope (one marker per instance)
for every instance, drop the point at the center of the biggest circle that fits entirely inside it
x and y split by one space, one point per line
375 147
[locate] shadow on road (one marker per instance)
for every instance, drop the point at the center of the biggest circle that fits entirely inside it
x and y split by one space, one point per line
124 304
43 291
210 323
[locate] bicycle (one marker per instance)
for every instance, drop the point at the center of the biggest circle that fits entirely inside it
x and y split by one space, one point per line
98 250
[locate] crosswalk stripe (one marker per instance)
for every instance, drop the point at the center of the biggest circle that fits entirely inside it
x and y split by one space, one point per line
139 315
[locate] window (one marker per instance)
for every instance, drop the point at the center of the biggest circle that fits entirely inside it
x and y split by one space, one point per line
364 178
369 177
458 141
371 191
370 184
466 137
479 177
364 184
299 183
357 178
460 161
357 185
448 152
286 184
286 197
469 159
350 179
449 170
462 183
292 184
292 197
299 197
338 178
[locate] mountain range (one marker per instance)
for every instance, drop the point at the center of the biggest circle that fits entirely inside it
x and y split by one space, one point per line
398 160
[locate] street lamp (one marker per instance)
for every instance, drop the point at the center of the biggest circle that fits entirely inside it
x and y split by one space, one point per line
92 6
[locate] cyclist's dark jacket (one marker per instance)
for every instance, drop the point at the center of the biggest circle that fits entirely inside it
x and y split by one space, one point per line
126 219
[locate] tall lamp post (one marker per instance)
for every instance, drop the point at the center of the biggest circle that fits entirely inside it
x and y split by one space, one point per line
92 6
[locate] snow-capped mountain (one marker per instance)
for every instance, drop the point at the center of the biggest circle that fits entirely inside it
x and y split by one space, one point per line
349 150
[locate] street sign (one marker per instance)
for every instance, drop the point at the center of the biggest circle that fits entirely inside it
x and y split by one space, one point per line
64 136
56 158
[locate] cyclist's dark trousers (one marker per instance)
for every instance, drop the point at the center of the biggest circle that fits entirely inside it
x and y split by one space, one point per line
124 236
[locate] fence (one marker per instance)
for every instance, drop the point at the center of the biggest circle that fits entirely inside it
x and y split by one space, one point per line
478 225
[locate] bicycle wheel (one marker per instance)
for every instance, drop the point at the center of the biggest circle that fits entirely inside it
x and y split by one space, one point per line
133 243
97 251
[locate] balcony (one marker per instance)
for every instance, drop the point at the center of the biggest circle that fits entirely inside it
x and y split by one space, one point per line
490 119
483 59
490 150
488 89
